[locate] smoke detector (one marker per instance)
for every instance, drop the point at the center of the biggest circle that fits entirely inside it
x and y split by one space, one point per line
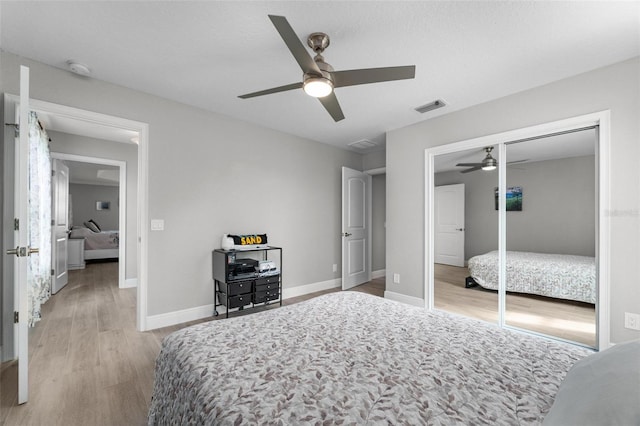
78 68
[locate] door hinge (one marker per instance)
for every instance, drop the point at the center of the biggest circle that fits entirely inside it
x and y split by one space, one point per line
53 173
16 128
53 222
16 224
53 272
16 317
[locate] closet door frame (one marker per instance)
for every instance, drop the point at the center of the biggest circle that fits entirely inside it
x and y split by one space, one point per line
600 119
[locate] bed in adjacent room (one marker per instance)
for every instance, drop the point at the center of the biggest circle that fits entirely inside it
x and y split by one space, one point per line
353 358
97 244
552 275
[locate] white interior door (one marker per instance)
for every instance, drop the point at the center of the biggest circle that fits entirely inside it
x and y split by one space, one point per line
21 249
449 224
60 224
356 228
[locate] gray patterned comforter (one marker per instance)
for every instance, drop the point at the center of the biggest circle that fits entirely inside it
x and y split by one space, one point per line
352 358
553 275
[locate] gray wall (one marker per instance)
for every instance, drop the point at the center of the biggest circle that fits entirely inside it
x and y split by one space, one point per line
205 173
84 205
374 160
378 217
558 213
615 88
97 148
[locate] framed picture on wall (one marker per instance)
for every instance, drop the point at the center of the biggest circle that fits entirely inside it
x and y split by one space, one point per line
103 205
514 198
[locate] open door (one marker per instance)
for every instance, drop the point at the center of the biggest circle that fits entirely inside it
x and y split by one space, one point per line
21 249
59 224
356 228
449 224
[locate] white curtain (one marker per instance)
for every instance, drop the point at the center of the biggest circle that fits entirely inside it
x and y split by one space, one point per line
39 272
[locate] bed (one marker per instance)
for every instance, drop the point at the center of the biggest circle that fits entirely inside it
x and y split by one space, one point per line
353 358
97 245
552 275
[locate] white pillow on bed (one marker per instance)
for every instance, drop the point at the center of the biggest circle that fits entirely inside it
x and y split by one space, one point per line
601 389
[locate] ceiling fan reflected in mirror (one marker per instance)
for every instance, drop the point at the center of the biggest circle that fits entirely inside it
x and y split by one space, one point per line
488 163
319 79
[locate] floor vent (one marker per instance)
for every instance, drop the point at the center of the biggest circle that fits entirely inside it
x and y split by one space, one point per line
431 106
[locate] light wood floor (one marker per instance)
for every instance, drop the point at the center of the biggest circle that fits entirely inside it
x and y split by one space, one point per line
87 363
568 320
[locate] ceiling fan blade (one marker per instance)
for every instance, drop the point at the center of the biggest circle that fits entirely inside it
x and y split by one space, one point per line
517 161
284 88
299 52
330 103
473 169
372 75
469 164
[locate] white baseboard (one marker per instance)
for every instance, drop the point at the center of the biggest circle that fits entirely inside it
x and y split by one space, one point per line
179 317
130 283
399 297
378 274
205 311
301 290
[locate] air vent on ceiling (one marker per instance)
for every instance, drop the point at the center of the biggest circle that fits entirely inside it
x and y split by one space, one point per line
363 144
431 106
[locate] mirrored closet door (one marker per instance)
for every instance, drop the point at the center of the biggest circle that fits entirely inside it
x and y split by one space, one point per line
514 228
550 221
466 227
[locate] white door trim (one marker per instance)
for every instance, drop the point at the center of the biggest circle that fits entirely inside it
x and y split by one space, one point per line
122 210
143 191
603 233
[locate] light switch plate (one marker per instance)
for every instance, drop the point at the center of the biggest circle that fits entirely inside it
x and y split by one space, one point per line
157 224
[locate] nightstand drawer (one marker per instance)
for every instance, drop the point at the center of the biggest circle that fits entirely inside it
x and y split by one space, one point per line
266 296
235 301
240 287
265 287
268 280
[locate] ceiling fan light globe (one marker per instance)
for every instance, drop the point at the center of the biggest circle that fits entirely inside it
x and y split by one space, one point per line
318 87
489 163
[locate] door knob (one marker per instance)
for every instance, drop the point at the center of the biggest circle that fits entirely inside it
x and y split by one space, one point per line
346 234
459 229
23 251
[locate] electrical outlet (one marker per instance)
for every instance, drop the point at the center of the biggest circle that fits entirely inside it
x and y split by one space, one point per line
335 267
396 278
632 321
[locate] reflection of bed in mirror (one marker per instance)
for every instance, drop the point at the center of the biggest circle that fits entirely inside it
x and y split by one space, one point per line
97 245
552 275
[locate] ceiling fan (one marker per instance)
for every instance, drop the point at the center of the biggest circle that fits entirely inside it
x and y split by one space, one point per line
488 163
319 78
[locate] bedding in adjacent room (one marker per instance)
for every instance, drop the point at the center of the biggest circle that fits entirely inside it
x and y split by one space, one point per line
353 358
553 275
96 240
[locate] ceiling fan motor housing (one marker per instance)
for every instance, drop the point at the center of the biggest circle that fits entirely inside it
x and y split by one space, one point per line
318 42
325 72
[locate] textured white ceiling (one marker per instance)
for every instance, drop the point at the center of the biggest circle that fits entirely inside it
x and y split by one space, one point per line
205 54
93 174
